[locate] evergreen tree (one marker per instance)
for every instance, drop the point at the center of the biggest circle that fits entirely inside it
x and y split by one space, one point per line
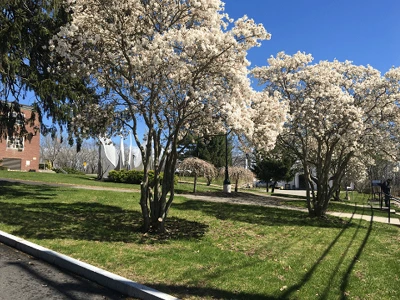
211 149
274 166
26 64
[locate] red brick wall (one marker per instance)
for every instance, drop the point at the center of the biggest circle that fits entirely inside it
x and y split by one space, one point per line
29 155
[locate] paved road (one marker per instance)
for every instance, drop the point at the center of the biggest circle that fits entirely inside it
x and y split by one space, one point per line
23 277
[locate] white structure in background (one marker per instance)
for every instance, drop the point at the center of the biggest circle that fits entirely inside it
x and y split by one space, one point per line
112 159
108 158
121 155
130 158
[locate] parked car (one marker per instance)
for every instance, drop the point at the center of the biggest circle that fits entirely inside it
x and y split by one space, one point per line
261 183
278 187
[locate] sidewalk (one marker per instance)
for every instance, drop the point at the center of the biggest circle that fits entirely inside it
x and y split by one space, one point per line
393 220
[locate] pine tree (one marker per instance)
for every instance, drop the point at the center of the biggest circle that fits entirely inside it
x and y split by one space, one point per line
274 166
26 64
211 149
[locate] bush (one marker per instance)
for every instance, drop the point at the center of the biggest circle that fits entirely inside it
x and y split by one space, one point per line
68 171
132 176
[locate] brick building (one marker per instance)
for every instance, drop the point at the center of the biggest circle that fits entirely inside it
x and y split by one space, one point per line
21 152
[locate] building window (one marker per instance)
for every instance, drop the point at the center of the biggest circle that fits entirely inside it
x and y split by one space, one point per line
19 117
15 143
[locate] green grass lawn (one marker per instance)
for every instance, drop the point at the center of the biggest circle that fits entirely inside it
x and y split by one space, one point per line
71 179
212 250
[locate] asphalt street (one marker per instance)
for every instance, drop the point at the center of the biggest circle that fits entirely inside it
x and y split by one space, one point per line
23 277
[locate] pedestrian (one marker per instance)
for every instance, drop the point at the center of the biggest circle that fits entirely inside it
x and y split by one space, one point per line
385 187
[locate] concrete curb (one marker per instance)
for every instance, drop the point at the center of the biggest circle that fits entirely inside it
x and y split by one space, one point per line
102 277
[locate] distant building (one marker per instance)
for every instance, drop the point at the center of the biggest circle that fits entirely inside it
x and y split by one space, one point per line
21 152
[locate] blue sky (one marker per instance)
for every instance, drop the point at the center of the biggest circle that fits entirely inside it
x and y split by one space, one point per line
365 32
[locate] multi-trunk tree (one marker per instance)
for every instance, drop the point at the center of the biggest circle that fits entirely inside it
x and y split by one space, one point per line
337 111
174 67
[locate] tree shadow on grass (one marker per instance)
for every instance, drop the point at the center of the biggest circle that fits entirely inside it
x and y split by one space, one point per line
260 215
11 190
24 206
183 291
345 280
89 221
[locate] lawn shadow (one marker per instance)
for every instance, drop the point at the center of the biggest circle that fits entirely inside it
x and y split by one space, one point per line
344 282
68 285
350 268
89 221
35 191
260 215
39 219
183 291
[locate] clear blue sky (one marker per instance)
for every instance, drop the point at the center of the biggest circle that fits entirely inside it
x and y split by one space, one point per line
365 32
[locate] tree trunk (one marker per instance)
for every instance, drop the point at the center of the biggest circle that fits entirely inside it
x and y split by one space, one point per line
165 193
143 204
336 195
273 187
195 183
157 196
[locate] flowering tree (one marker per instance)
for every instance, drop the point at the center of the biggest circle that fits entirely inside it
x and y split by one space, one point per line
198 167
337 111
178 67
239 175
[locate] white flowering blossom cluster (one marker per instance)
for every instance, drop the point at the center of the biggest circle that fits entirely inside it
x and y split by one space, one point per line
179 66
172 62
336 111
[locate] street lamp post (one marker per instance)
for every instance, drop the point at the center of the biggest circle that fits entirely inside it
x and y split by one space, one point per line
227 183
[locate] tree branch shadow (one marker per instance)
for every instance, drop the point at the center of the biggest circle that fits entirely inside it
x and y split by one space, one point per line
345 280
73 289
307 276
10 190
260 215
89 221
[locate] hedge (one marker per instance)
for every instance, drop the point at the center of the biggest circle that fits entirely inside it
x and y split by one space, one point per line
131 176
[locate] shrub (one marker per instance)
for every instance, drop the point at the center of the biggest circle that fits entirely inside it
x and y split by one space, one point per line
68 171
132 176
